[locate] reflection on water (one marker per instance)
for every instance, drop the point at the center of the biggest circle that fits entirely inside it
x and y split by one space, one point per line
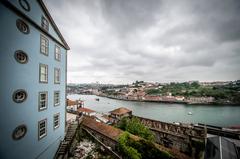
210 114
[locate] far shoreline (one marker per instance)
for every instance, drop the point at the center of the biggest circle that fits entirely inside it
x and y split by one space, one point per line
166 102
171 102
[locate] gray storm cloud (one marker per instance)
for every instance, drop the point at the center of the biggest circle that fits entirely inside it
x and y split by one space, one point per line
120 41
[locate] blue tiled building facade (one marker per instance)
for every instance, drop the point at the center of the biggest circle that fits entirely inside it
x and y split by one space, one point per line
33 61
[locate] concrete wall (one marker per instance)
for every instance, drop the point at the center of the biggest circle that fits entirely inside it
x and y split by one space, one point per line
26 76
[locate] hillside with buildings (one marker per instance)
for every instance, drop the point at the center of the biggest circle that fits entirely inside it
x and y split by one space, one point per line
192 92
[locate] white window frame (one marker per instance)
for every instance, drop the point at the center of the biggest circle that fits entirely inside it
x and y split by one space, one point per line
43 73
57 75
44 45
57 53
40 136
44 25
56 99
40 100
56 120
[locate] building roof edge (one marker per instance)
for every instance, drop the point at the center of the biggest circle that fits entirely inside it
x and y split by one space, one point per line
43 6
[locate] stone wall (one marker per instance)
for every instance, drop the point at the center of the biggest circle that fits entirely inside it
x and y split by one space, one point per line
180 137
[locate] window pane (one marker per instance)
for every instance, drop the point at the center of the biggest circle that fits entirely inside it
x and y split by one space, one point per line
56 120
56 98
44 23
42 125
42 132
42 128
57 75
43 78
42 101
43 73
43 69
46 49
42 104
57 52
43 97
44 45
43 42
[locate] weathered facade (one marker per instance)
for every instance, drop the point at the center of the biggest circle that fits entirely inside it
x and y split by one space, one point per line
186 139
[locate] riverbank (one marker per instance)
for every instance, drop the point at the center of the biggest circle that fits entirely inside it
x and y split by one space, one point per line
224 116
169 101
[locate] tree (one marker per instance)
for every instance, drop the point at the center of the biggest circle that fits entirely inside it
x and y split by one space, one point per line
195 84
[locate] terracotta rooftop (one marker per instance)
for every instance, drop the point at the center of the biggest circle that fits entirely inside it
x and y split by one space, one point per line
102 128
85 110
120 111
71 102
114 134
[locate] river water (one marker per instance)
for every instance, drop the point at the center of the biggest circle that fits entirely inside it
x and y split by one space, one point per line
207 114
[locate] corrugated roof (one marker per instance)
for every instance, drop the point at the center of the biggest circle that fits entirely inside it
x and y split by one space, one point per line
120 111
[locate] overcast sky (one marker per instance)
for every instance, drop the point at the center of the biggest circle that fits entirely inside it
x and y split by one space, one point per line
120 41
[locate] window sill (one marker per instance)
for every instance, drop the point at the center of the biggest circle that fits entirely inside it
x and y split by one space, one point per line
42 109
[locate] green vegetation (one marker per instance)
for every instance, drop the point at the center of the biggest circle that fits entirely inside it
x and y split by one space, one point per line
176 89
228 93
223 94
143 148
134 126
128 151
132 149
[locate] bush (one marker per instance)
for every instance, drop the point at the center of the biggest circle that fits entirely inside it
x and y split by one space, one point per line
122 124
126 150
132 149
135 127
148 150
